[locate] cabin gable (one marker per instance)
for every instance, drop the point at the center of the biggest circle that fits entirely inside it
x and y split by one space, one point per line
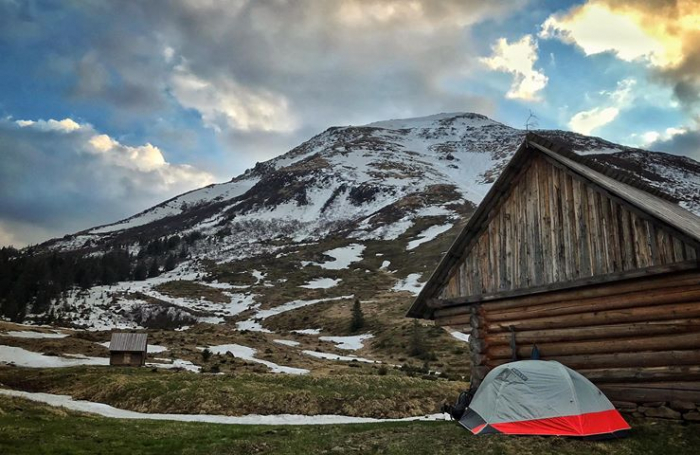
553 228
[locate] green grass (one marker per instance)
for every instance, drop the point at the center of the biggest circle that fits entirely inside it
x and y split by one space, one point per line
32 428
172 392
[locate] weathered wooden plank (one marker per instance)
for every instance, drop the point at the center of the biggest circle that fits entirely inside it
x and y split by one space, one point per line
615 236
641 245
545 216
557 236
678 250
606 234
502 254
493 246
523 253
630 262
535 219
594 230
653 246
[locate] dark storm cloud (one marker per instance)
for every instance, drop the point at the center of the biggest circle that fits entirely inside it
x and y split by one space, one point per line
313 63
686 143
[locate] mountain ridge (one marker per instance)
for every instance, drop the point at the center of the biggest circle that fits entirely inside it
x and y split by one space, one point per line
386 198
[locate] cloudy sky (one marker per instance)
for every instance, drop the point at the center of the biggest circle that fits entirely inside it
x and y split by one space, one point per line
109 107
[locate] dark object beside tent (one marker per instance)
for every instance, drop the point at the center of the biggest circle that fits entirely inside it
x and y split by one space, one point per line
536 397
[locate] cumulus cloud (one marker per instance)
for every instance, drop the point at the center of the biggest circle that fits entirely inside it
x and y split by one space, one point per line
585 122
58 176
66 125
518 59
225 103
664 35
650 137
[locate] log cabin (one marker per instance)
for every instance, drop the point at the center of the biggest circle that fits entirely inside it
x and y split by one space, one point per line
598 271
128 349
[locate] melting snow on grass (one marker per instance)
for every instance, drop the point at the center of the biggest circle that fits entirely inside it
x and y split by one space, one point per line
67 402
342 358
253 323
350 343
390 231
287 342
31 334
343 256
410 284
321 283
428 235
308 331
246 353
293 305
176 364
23 358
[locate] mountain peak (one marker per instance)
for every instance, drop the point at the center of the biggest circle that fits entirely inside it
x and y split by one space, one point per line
433 120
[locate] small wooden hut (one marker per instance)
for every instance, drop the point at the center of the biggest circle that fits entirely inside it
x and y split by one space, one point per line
599 271
128 349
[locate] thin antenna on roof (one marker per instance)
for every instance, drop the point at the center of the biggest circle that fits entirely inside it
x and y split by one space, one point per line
531 122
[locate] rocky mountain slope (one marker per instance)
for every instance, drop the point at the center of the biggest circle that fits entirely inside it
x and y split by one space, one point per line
355 212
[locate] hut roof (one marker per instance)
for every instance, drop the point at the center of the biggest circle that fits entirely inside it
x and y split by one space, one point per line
635 192
128 342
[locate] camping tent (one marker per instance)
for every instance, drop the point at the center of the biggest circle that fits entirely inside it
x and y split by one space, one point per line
539 397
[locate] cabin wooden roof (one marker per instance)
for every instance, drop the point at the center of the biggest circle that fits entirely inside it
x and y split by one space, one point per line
130 342
636 193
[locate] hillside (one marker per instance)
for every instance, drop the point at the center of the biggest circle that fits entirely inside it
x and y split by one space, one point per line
283 250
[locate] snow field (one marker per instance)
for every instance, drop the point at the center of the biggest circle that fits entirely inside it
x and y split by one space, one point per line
104 410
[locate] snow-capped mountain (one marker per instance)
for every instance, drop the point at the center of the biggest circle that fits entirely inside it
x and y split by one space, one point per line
368 197
353 175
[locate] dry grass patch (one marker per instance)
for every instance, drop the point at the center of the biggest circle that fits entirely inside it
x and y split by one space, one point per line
191 290
144 390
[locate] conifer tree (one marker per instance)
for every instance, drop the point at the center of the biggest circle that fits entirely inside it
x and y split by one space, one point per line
140 271
417 344
154 270
170 262
358 319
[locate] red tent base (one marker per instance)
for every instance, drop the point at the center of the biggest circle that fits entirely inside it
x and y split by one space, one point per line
595 425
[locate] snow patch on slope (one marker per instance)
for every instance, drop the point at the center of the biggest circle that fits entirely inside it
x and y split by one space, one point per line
104 410
429 234
410 284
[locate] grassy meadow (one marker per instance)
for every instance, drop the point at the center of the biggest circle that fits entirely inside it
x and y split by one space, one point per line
30 428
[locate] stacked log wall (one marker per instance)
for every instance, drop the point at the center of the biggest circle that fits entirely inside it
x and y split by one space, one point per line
637 340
